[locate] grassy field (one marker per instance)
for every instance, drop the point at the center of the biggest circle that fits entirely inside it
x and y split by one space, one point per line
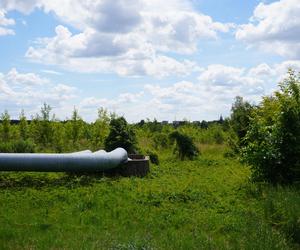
208 203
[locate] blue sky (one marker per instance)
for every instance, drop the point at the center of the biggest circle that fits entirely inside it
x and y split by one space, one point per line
176 59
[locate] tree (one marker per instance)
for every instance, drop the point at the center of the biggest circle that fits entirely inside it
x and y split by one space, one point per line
120 135
5 126
239 121
76 126
184 146
23 126
272 144
101 127
42 125
58 137
204 124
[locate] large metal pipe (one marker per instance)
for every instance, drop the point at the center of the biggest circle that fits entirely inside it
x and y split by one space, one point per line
83 161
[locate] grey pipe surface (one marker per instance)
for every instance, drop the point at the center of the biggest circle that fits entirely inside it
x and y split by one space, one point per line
84 152
84 161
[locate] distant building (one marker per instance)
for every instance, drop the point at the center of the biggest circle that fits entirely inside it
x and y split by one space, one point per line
179 123
165 122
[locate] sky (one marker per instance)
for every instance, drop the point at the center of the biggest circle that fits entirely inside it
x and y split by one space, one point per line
168 60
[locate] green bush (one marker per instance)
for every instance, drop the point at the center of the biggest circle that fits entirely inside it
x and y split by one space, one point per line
184 146
160 140
153 157
272 143
22 146
6 147
18 146
120 135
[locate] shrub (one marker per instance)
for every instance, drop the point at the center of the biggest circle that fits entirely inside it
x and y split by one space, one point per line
153 157
184 146
120 135
272 144
19 146
217 134
160 140
22 146
6 147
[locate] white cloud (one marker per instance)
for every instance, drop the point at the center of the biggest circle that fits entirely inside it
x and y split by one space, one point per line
125 37
19 5
124 99
214 91
28 91
117 56
262 70
5 31
221 75
51 72
210 95
4 22
13 77
275 28
207 97
127 104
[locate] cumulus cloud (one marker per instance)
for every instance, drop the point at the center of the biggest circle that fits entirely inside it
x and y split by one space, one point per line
124 37
13 77
127 104
121 100
124 56
210 95
275 28
28 90
206 97
4 22
214 91
19 5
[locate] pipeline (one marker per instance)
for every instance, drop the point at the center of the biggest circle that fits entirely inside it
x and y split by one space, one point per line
83 161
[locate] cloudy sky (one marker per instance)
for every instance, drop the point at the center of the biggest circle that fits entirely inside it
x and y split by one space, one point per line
168 60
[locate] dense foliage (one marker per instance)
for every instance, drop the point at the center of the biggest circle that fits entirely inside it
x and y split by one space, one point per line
45 133
184 146
120 135
239 122
272 143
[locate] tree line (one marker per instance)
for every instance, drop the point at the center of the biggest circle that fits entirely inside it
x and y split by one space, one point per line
264 136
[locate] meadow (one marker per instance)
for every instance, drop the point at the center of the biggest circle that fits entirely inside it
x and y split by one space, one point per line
208 203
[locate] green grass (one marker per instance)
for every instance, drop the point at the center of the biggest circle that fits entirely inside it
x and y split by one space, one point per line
203 204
